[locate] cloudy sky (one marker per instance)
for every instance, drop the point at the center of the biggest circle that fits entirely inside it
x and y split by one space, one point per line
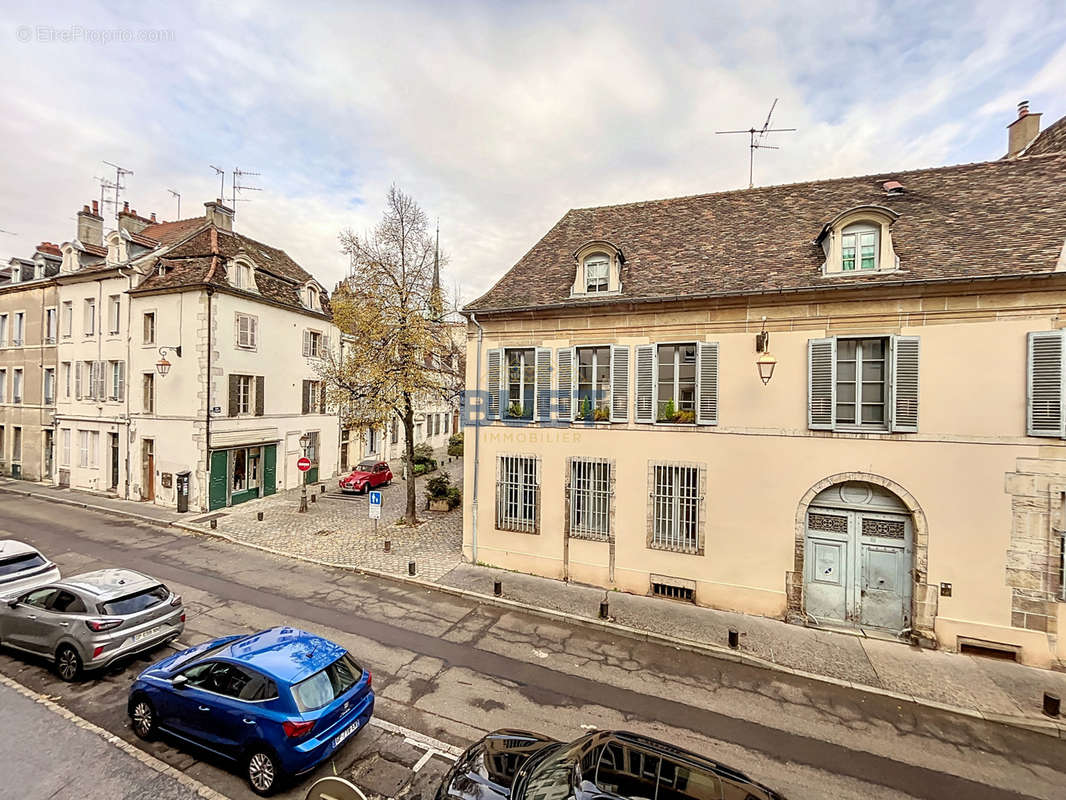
497 117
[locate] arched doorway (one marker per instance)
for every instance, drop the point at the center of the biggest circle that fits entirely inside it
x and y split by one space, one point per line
858 557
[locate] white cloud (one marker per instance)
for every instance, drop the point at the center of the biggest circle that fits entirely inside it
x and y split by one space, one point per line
499 118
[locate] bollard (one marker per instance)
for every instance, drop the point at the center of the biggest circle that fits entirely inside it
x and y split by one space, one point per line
604 612
410 567
322 489
388 546
214 524
259 516
497 588
734 638
314 498
1052 704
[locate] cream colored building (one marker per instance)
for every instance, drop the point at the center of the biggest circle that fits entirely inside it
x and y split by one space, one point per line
902 472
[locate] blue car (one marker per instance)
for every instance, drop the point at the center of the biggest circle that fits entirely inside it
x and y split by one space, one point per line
278 702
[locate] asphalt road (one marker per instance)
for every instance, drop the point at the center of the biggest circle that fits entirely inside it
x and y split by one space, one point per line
453 669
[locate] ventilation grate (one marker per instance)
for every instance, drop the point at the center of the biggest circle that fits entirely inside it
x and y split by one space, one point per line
997 650
672 592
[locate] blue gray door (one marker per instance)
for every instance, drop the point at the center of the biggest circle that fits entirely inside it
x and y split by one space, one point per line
857 558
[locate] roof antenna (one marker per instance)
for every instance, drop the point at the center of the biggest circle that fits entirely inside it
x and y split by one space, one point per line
177 196
757 135
117 186
238 174
222 175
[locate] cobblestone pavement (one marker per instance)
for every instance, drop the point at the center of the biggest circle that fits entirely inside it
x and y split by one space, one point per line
337 528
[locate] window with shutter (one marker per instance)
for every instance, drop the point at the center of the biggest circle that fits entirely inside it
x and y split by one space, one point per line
564 372
676 370
306 392
821 383
307 344
77 380
1045 392
645 410
260 395
519 384
494 358
619 383
904 383
593 384
234 396
543 382
707 382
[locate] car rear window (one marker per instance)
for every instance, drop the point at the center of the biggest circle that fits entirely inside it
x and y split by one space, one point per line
328 684
366 466
136 602
20 563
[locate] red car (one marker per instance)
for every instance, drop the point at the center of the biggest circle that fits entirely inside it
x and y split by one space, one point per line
366 475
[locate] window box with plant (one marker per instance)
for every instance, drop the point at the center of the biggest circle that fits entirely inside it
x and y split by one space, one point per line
441 494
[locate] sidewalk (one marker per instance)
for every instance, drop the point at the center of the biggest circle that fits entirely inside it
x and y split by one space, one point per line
148 512
48 757
336 532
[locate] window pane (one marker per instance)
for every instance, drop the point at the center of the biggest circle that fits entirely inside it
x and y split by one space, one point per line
873 413
845 370
873 349
873 370
846 349
873 393
845 392
846 414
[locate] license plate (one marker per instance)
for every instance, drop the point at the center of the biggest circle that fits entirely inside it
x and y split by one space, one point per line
148 634
340 737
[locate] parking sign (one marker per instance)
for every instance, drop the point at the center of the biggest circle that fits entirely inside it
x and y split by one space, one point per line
375 505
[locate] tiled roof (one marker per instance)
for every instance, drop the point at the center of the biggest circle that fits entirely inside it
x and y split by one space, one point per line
203 260
992 218
49 249
168 233
1051 140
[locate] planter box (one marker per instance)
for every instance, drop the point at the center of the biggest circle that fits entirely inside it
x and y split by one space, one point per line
439 505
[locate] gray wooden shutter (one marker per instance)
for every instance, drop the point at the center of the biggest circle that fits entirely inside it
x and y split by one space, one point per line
121 380
645 411
821 383
307 344
260 395
904 385
234 395
494 357
322 397
77 367
1045 391
100 380
542 393
707 383
306 392
564 371
619 383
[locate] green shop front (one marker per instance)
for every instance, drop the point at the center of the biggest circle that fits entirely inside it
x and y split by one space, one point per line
242 472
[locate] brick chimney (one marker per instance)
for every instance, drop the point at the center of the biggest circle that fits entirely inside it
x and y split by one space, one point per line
91 225
219 215
129 220
1022 131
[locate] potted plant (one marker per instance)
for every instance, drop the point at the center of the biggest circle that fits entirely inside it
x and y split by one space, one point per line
671 413
601 414
455 444
438 490
584 409
515 410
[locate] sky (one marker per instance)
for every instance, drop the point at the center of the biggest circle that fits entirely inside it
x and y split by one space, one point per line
497 117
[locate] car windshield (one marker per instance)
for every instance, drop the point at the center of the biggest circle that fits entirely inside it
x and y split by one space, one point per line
205 653
20 563
327 685
553 777
366 466
137 602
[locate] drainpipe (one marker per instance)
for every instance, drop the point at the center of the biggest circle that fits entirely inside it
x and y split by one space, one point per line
477 437
206 488
126 388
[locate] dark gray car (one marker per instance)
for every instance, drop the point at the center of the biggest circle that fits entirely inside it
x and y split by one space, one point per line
88 621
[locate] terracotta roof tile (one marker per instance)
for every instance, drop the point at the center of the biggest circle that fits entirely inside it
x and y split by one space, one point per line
1051 140
168 233
991 218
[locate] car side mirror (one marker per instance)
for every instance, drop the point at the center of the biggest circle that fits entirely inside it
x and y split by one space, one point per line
12 602
179 681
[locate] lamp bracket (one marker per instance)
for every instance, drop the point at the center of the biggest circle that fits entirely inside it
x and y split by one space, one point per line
176 350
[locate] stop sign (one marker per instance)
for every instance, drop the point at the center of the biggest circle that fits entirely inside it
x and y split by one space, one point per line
303 464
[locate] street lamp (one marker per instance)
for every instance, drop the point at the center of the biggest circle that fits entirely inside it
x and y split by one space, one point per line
765 363
162 365
305 440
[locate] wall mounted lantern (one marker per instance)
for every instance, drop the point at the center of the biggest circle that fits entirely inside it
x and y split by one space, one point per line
162 365
765 363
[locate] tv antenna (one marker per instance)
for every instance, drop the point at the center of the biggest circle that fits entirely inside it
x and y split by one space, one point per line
8 233
238 186
177 196
115 186
756 138
222 176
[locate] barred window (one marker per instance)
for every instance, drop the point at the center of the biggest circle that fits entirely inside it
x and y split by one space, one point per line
590 498
517 488
676 505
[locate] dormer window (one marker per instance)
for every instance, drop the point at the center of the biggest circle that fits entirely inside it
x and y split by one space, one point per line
859 247
597 271
242 276
311 298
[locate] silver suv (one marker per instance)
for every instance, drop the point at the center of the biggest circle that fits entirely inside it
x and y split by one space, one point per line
88 621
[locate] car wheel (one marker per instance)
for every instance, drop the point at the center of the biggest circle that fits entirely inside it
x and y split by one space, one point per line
142 718
262 772
68 663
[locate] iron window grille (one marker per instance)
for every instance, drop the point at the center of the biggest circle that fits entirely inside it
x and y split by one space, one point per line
676 507
517 493
590 498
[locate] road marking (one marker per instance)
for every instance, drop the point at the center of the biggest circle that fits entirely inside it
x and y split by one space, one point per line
422 761
420 739
148 760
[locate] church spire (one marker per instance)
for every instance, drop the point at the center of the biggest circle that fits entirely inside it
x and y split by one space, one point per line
436 297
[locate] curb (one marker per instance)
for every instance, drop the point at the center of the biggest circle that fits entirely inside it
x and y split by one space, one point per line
1047 727
91 506
201 789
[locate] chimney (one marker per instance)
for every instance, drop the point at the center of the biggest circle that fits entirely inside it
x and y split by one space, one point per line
91 226
1022 131
129 220
219 215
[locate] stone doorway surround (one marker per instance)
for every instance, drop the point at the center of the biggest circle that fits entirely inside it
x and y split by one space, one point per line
923 596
